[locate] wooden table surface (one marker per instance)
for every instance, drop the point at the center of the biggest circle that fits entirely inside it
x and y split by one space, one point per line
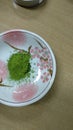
53 20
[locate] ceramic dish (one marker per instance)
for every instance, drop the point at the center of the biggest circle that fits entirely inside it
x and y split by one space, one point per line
31 88
28 3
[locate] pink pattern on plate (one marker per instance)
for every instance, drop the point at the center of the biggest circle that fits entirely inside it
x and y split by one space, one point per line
3 70
43 64
25 92
35 52
45 53
45 77
14 38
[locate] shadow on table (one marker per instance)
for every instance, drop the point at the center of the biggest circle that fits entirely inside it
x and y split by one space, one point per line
30 13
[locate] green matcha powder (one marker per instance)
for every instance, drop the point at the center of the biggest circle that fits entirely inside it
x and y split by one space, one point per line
19 65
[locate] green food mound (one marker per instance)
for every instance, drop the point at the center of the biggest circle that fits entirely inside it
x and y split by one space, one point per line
19 65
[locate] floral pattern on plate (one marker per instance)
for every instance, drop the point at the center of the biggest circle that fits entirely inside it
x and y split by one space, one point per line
15 38
25 92
44 62
3 70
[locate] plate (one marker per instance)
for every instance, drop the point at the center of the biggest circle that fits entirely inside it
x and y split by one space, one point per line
27 67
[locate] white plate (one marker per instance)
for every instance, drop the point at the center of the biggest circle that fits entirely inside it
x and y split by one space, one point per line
43 68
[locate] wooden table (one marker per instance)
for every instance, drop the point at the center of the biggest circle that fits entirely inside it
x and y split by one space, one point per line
54 22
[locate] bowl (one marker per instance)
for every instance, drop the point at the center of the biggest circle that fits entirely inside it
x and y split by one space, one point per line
28 3
27 67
